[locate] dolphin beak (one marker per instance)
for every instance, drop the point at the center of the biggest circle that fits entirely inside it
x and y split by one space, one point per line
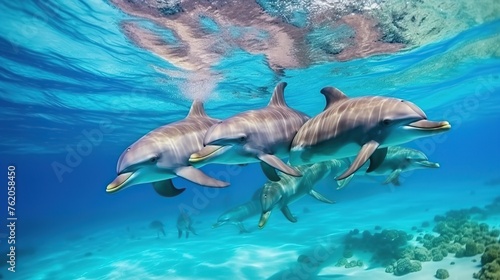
118 182
263 219
206 153
429 125
428 164
218 224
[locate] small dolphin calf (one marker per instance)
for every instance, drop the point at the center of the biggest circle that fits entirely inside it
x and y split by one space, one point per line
185 224
238 214
363 127
290 189
262 135
400 159
163 154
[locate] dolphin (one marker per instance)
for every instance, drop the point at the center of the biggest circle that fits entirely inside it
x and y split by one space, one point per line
158 227
400 159
163 154
262 135
363 127
238 214
185 224
290 189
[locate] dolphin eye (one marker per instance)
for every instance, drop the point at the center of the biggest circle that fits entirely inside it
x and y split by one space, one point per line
154 159
387 122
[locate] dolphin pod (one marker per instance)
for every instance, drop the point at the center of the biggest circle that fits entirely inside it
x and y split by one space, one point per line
362 128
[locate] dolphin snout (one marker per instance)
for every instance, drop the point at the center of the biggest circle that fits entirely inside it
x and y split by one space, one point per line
218 224
263 218
119 182
430 125
429 164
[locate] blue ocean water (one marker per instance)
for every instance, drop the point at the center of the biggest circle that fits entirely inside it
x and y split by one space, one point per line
69 76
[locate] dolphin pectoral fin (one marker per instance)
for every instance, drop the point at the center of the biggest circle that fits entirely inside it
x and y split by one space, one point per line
242 228
263 219
393 177
366 152
376 159
179 233
320 197
270 172
197 176
166 188
342 183
277 163
286 211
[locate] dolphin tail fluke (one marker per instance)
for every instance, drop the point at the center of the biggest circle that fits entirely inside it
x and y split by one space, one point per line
197 176
166 188
366 152
376 159
263 219
393 178
320 197
344 182
277 163
286 211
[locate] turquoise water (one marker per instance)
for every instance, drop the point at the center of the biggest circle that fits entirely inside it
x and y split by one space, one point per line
68 70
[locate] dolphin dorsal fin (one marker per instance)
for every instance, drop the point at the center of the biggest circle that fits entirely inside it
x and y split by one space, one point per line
278 98
332 95
197 109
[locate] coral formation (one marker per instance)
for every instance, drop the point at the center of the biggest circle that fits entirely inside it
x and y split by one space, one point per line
405 266
442 274
490 261
454 233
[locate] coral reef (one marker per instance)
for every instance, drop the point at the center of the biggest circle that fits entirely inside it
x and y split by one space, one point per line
385 245
442 274
454 233
405 266
490 262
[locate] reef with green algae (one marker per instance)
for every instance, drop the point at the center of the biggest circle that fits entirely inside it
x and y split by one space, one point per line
455 233
490 262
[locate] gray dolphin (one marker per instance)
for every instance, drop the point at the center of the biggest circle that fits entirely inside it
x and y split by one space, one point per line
400 159
238 214
262 135
363 127
163 154
290 189
185 224
158 227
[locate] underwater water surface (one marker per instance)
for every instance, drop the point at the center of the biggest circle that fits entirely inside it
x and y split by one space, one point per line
82 80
